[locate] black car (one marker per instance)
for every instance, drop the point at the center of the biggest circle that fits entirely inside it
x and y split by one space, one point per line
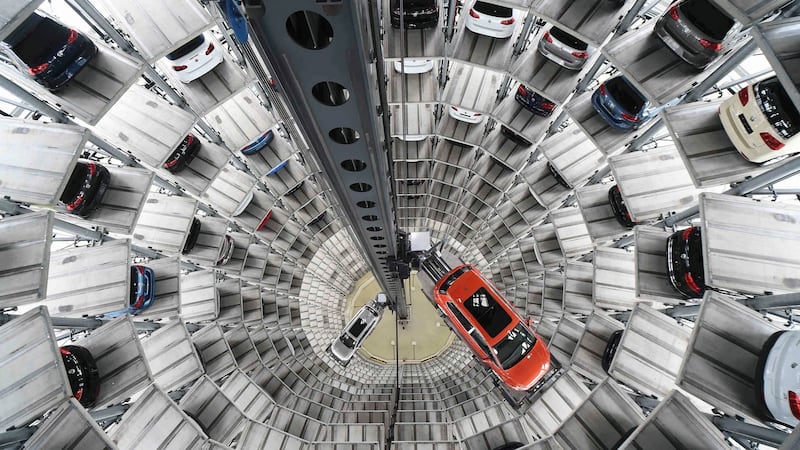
417 14
611 349
183 155
696 31
621 212
52 53
534 102
84 378
85 189
685 262
514 137
191 238
558 176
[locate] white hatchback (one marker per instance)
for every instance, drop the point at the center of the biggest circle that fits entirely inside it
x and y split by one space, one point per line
778 371
491 20
195 58
761 121
465 115
357 330
413 66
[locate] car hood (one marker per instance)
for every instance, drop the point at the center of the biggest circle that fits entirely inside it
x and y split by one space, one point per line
526 373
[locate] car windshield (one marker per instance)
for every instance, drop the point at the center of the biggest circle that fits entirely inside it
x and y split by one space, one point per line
695 242
568 39
492 9
419 4
707 18
777 107
76 181
627 97
358 327
186 48
487 311
347 340
514 347
134 285
40 43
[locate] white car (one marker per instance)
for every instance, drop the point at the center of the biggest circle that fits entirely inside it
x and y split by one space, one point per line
778 381
564 49
761 121
491 20
413 66
465 115
357 330
225 250
195 58
243 204
412 137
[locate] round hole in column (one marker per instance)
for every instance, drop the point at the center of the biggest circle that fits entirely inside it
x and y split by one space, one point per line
309 30
377 238
381 252
370 218
344 135
361 187
330 93
374 229
366 204
353 165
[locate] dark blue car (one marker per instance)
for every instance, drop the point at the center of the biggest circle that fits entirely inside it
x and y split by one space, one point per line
258 143
534 102
143 291
52 53
620 104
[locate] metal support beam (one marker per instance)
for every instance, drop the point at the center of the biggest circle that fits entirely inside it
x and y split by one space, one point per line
778 301
90 324
755 433
449 26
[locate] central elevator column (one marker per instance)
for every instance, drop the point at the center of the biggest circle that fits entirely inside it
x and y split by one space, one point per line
323 56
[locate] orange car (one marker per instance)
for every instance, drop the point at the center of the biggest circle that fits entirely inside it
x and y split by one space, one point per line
491 327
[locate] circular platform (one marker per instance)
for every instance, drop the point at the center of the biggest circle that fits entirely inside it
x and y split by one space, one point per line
422 337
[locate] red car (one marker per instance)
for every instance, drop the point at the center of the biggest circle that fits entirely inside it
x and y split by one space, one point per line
491 328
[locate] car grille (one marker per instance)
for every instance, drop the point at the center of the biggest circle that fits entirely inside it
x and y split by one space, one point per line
745 124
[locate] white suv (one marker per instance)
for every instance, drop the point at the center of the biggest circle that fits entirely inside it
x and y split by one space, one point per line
357 330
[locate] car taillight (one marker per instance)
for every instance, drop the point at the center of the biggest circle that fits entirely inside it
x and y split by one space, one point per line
79 394
691 283
478 114
744 96
38 69
548 106
521 89
580 54
686 233
794 404
139 302
673 12
711 45
92 169
189 139
602 89
474 14
210 48
140 269
72 36
547 37
170 163
771 142
63 351
507 21
264 221
178 68
454 108
627 116
75 204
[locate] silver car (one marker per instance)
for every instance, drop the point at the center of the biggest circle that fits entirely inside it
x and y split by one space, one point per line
357 330
564 49
696 30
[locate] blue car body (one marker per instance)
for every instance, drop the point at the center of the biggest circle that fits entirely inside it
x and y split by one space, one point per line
258 143
143 291
277 168
620 104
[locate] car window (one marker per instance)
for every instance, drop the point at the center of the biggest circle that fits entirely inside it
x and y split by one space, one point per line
75 182
492 9
186 48
46 38
707 18
358 327
625 95
568 39
777 107
517 343
420 3
347 340
134 285
487 312
696 254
